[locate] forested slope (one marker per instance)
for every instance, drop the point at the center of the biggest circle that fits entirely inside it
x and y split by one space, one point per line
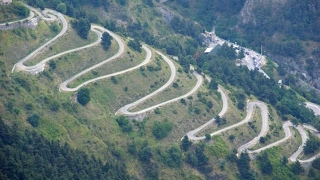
287 30
151 149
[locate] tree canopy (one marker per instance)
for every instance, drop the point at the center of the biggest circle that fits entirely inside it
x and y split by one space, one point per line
83 96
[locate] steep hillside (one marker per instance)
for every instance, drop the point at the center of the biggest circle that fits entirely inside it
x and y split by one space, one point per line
287 30
116 100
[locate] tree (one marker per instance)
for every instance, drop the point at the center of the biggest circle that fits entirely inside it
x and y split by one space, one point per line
213 85
284 160
62 8
124 123
243 164
262 140
106 40
146 154
265 164
316 163
312 145
192 159
135 45
160 130
82 27
220 120
176 156
34 119
297 168
185 143
83 96
208 137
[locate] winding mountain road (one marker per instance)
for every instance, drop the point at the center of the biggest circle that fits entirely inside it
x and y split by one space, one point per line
63 86
51 16
125 109
286 127
264 128
31 15
304 137
191 134
38 68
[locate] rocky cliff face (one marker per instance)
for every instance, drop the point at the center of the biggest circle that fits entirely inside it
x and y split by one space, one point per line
247 12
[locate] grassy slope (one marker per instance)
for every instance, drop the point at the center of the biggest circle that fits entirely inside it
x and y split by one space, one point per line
69 40
18 43
92 128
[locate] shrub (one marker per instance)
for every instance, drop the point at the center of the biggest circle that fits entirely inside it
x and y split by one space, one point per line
157 111
124 124
135 45
106 40
83 96
161 130
114 80
34 119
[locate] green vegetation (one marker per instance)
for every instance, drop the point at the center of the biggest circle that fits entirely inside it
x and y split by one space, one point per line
124 124
34 119
62 7
82 27
83 96
160 130
13 11
131 148
312 145
106 40
41 158
135 45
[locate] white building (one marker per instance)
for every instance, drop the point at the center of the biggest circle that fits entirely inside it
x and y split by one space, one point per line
5 1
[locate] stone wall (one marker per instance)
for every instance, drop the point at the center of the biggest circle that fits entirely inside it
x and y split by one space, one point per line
32 23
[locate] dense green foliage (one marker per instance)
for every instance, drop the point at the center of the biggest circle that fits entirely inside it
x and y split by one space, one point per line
221 67
197 158
312 145
172 157
265 164
26 155
82 27
135 45
292 22
34 119
285 100
106 40
83 96
299 21
124 124
316 164
160 130
15 9
61 7
243 164
185 143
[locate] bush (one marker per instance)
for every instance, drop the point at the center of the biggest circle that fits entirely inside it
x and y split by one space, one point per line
316 164
135 45
106 40
62 8
82 27
114 80
54 105
34 119
157 111
124 124
208 137
83 96
161 130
